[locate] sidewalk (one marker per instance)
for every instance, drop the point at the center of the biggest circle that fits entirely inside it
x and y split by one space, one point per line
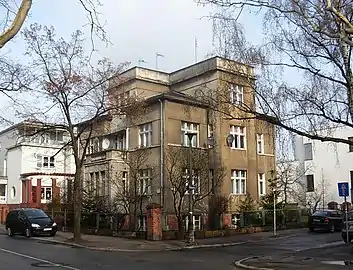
290 262
107 243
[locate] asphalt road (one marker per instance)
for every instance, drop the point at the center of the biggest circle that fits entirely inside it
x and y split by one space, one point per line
20 253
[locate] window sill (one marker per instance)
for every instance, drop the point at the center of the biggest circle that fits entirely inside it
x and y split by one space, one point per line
237 194
265 155
241 149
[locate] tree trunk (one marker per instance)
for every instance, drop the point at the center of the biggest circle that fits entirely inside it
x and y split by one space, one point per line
77 205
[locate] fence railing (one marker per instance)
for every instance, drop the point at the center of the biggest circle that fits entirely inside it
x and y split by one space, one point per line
106 223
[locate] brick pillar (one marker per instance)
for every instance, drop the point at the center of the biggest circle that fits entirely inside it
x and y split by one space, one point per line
154 222
38 191
53 189
29 190
24 190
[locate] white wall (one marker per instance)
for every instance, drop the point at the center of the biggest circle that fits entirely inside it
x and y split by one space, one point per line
7 139
14 157
331 163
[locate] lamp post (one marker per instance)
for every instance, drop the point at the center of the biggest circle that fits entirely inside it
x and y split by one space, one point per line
191 188
274 212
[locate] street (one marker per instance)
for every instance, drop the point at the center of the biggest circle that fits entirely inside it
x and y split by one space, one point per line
20 253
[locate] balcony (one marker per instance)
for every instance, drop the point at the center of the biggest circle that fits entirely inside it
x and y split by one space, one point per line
113 154
3 180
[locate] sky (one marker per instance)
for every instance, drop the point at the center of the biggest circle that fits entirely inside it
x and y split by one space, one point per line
137 29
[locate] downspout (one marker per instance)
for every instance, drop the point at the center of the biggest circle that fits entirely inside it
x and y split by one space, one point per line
161 153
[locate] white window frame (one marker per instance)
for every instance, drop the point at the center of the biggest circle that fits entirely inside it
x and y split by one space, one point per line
142 222
239 134
124 182
144 182
188 127
261 180
238 180
45 189
42 160
260 144
236 94
121 141
145 135
196 221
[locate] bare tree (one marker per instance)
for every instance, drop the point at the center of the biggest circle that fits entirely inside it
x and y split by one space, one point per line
133 191
71 91
15 17
206 178
309 39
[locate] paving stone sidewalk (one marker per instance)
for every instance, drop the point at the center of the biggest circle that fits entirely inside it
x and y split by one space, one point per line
124 244
291 262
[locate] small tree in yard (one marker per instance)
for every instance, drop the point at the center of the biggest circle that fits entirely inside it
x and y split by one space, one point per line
177 174
133 188
247 204
70 91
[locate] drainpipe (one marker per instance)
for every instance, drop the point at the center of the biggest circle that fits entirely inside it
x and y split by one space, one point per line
161 152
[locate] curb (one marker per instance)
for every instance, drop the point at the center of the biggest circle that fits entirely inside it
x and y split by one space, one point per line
219 245
240 264
156 250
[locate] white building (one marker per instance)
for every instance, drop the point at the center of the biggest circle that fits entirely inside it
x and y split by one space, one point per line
325 164
35 164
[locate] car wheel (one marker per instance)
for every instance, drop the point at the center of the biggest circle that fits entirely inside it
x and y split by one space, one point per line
345 240
332 228
311 229
9 232
52 234
28 233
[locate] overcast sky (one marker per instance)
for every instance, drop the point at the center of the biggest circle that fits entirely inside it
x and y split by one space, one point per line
138 29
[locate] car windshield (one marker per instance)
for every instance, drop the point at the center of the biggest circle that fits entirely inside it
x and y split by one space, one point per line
35 213
320 214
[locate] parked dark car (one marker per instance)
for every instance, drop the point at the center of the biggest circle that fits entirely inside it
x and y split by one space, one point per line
329 220
30 221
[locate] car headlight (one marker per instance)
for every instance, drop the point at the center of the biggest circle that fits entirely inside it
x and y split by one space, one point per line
54 224
35 225
350 227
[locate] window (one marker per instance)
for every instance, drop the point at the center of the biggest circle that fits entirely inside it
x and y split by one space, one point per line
124 182
260 143
310 183
350 146
236 94
97 184
351 177
2 193
262 184
142 223
238 182
238 133
45 162
187 127
144 182
90 183
103 185
308 151
46 194
212 180
90 147
195 181
13 193
121 141
196 221
145 138
210 139
56 137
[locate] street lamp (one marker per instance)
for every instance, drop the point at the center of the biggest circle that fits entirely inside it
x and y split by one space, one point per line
191 188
